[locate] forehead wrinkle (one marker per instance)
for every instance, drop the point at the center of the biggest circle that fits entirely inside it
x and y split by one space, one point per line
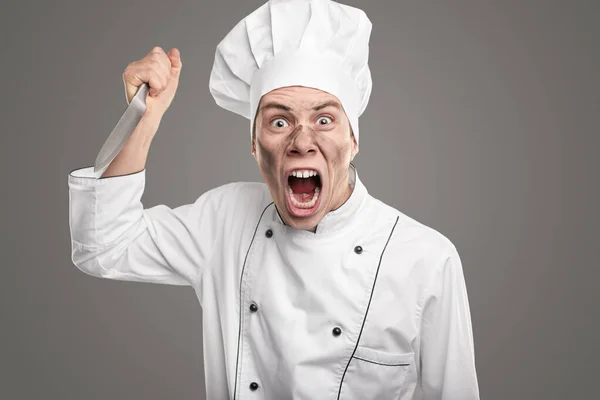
275 105
330 103
279 106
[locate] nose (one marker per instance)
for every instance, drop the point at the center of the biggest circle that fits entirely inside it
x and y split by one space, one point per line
302 142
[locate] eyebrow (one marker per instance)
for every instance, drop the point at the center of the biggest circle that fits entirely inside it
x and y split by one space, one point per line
283 107
329 103
277 106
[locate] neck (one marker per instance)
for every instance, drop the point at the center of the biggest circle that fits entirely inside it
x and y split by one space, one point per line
340 203
344 195
345 191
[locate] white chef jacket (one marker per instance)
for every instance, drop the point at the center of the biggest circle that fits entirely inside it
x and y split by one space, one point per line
373 305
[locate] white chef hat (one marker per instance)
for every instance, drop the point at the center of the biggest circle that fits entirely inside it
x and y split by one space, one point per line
314 43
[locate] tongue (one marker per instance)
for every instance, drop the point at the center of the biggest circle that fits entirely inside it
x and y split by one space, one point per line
303 185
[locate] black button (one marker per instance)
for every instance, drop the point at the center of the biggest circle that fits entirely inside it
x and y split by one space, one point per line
269 233
358 249
253 307
253 386
336 331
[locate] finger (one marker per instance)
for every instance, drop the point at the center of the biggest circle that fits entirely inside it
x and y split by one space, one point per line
160 67
176 64
148 72
156 50
160 70
159 55
156 82
131 74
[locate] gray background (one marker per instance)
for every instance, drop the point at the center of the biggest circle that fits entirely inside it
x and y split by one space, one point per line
482 124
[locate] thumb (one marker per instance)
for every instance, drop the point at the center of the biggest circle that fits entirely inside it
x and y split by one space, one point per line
176 63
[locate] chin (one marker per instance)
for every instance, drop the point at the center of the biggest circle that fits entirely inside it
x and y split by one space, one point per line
301 197
301 218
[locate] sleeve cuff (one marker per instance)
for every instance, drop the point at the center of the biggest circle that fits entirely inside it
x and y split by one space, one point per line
87 176
102 209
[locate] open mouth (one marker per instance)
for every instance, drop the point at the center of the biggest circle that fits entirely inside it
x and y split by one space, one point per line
303 192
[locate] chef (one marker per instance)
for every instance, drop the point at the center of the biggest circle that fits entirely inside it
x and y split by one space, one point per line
310 287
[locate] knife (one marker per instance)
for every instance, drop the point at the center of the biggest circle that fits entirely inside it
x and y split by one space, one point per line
124 128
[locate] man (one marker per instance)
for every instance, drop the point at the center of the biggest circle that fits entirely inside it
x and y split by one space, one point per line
310 287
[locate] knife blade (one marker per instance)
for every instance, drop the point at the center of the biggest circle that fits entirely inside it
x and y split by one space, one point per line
123 130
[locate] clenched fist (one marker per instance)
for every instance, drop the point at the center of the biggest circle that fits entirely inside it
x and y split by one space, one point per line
161 71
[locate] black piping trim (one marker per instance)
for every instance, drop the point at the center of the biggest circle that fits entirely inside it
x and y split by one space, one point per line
241 311
102 177
368 306
117 176
378 363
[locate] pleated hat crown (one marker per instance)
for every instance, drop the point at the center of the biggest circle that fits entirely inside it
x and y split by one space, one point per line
320 44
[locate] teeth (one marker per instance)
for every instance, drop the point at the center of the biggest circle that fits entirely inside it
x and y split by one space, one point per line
304 173
308 204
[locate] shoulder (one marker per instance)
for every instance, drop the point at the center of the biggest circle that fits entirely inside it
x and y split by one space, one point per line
250 190
425 244
235 197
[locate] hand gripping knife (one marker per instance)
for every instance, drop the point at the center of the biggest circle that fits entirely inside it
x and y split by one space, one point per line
122 131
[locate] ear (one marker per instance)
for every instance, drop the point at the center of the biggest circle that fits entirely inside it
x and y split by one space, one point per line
253 145
354 151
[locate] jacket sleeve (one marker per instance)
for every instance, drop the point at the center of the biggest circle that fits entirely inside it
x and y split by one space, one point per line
113 236
447 351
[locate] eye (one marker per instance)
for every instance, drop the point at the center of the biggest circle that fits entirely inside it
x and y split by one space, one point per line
279 123
324 120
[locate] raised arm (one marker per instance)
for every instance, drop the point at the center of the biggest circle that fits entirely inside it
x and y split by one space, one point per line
112 234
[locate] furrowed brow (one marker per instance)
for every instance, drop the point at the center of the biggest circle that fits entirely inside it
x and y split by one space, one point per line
330 103
277 106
